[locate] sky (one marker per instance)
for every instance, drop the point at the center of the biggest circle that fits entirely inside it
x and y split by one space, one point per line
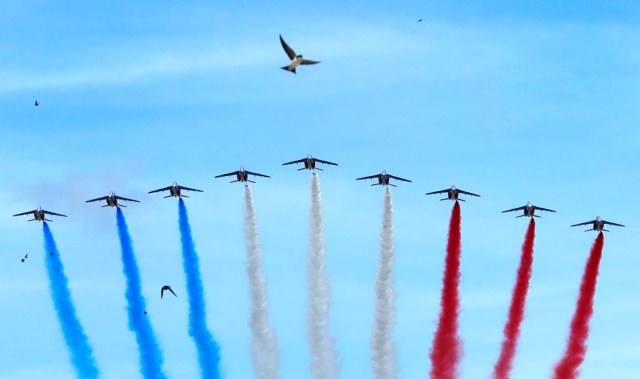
513 100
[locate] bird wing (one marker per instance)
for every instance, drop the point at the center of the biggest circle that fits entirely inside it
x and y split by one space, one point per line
309 61
290 53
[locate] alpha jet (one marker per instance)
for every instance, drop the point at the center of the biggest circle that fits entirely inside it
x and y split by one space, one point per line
310 163
529 210
242 175
453 193
384 179
296 60
597 225
39 214
175 190
112 200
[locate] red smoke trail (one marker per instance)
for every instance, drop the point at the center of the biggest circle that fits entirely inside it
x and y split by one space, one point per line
516 310
446 349
569 365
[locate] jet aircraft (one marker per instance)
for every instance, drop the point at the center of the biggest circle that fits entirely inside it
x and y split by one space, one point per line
242 175
296 60
384 179
453 193
39 214
112 200
310 163
175 190
597 225
529 210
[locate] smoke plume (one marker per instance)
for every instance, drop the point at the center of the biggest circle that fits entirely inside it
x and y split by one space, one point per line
383 348
74 336
447 346
150 355
324 359
569 365
264 346
208 350
516 311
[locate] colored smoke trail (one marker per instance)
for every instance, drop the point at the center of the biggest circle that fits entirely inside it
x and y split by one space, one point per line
447 349
516 311
324 359
384 355
208 350
150 355
264 346
568 367
77 341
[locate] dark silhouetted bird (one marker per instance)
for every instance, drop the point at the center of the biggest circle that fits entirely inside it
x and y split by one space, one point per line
166 288
36 103
26 256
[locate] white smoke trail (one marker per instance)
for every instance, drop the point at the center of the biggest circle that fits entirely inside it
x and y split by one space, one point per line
324 359
264 346
384 356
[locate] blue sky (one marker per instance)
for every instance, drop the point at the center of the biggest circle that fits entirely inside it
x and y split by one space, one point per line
513 101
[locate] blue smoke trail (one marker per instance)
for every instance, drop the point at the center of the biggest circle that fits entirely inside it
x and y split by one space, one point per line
150 355
77 341
208 349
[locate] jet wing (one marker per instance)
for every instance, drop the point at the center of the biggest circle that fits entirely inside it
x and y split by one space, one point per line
97 199
125 199
437 192
584 223
543 209
24 213
189 189
309 61
325 162
290 53
294 162
514 209
369 177
398 178
228 174
161 189
612 223
53 213
468 193
256 174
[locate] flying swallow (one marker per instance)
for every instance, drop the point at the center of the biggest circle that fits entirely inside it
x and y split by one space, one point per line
36 103
26 256
296 60
166 288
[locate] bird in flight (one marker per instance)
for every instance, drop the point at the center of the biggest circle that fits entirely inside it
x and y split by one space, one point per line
166 288
26 256
296 60
36 103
